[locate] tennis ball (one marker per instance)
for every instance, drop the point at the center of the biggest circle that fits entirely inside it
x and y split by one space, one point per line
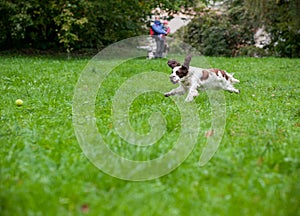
19 102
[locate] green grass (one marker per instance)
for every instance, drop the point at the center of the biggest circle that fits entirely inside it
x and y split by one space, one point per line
255 171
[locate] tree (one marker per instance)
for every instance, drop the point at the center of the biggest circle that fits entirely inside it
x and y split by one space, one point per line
221 32
76 24
281 20
231 31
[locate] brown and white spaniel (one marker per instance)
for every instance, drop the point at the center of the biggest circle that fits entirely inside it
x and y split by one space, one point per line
191 79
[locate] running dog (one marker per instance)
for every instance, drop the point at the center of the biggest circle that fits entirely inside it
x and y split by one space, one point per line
191 79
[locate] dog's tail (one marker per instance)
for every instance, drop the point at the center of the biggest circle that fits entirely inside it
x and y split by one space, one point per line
187 61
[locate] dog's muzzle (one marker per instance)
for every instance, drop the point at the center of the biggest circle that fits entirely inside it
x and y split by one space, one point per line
174 79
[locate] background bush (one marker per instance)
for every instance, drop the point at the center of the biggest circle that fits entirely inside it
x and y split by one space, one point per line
42 24
229 30
75 24
221 32
94 24
283 22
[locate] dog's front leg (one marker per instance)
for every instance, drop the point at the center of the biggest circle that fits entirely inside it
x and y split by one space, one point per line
177 91
234 90
192 93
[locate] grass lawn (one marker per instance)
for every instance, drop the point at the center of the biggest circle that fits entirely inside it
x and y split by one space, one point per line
256 170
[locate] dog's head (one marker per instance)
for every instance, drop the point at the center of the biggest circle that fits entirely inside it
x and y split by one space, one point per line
179 71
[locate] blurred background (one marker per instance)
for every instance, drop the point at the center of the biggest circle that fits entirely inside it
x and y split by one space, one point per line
215 28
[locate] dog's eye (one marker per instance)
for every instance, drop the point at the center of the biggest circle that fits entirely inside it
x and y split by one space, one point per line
181 72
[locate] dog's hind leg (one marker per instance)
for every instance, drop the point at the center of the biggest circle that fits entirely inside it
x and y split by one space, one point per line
192 93
232 90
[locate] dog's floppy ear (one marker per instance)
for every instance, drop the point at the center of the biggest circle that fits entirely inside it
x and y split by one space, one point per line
184 69
187 61
173 63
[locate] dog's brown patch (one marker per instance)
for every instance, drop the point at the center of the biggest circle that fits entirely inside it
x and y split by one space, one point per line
173 63
205 75
217 71
182 71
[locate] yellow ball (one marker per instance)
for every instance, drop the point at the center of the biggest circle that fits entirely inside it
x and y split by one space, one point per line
19 102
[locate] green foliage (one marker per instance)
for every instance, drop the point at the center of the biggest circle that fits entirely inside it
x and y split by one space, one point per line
254 172
75 24
281 20
230 31
66 21
41 24
94 24
215 41
220 33
252 51
285 30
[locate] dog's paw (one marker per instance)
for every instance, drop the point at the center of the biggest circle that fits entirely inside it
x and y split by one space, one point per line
237 91
233 90
195 94
167 94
